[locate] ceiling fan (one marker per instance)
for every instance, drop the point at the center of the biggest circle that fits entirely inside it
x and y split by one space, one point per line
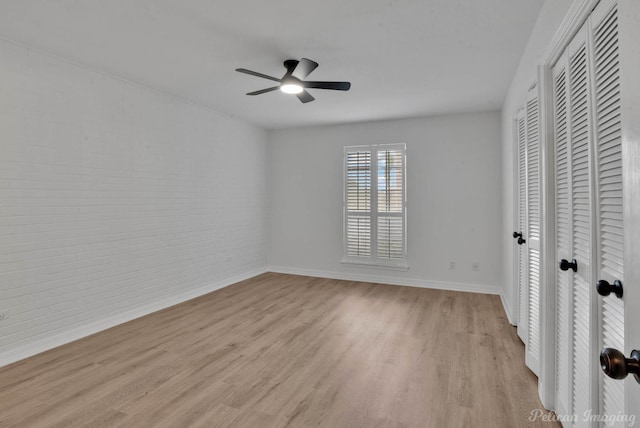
293 80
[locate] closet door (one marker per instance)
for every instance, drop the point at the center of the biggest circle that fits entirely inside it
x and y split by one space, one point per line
628 32
589 220
564 240
609 250
628 51
532 113
575 326
580 142
523 291
528 139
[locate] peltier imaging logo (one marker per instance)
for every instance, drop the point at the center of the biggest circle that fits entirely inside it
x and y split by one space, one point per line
588 416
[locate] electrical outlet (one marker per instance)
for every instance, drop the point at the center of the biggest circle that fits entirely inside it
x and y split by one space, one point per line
452 265
475 267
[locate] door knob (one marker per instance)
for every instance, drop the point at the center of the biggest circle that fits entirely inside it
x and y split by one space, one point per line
566 265
604 288
518 235
616 366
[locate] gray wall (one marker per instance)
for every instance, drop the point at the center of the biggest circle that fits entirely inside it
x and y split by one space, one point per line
453 197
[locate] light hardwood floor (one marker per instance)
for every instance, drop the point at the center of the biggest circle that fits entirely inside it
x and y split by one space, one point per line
280 350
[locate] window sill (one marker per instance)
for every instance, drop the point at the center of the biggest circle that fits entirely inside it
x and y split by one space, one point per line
402 265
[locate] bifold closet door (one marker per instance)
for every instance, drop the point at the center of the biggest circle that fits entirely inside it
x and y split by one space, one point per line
528 207
609 249
522 267
626 91
583 344
533 343
564 240
589 218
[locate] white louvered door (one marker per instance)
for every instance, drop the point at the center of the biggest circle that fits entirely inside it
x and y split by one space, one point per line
580 141
529 225
589 220
628 16
532 116
608 198
564 240
523 291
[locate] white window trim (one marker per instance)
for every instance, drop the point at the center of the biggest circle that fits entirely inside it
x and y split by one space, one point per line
373 261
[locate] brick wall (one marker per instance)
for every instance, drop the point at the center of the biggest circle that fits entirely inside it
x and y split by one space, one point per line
115 200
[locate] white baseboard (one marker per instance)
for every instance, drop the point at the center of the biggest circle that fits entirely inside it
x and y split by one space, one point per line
39 346
408 282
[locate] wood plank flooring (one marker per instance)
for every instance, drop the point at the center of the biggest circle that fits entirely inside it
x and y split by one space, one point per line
281 350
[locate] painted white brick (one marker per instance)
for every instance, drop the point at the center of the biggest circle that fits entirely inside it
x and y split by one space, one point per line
115 198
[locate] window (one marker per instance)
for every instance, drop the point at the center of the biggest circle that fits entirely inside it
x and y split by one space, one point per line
375 205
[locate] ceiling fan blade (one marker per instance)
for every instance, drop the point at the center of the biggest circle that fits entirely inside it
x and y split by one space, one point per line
290 65
304 68
338 86
305 97
255 73
263 91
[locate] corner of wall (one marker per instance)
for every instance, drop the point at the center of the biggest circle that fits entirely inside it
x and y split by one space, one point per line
507 307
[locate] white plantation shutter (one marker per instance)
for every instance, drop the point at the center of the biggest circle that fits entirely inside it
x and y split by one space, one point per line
581 220
359 236
390 238
533 228
564 312
390 190
358 190
375 205
609 195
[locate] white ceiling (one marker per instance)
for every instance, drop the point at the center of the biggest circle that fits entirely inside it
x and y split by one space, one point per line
404 58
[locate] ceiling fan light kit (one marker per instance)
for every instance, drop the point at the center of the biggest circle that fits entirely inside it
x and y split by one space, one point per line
293 80
291 85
